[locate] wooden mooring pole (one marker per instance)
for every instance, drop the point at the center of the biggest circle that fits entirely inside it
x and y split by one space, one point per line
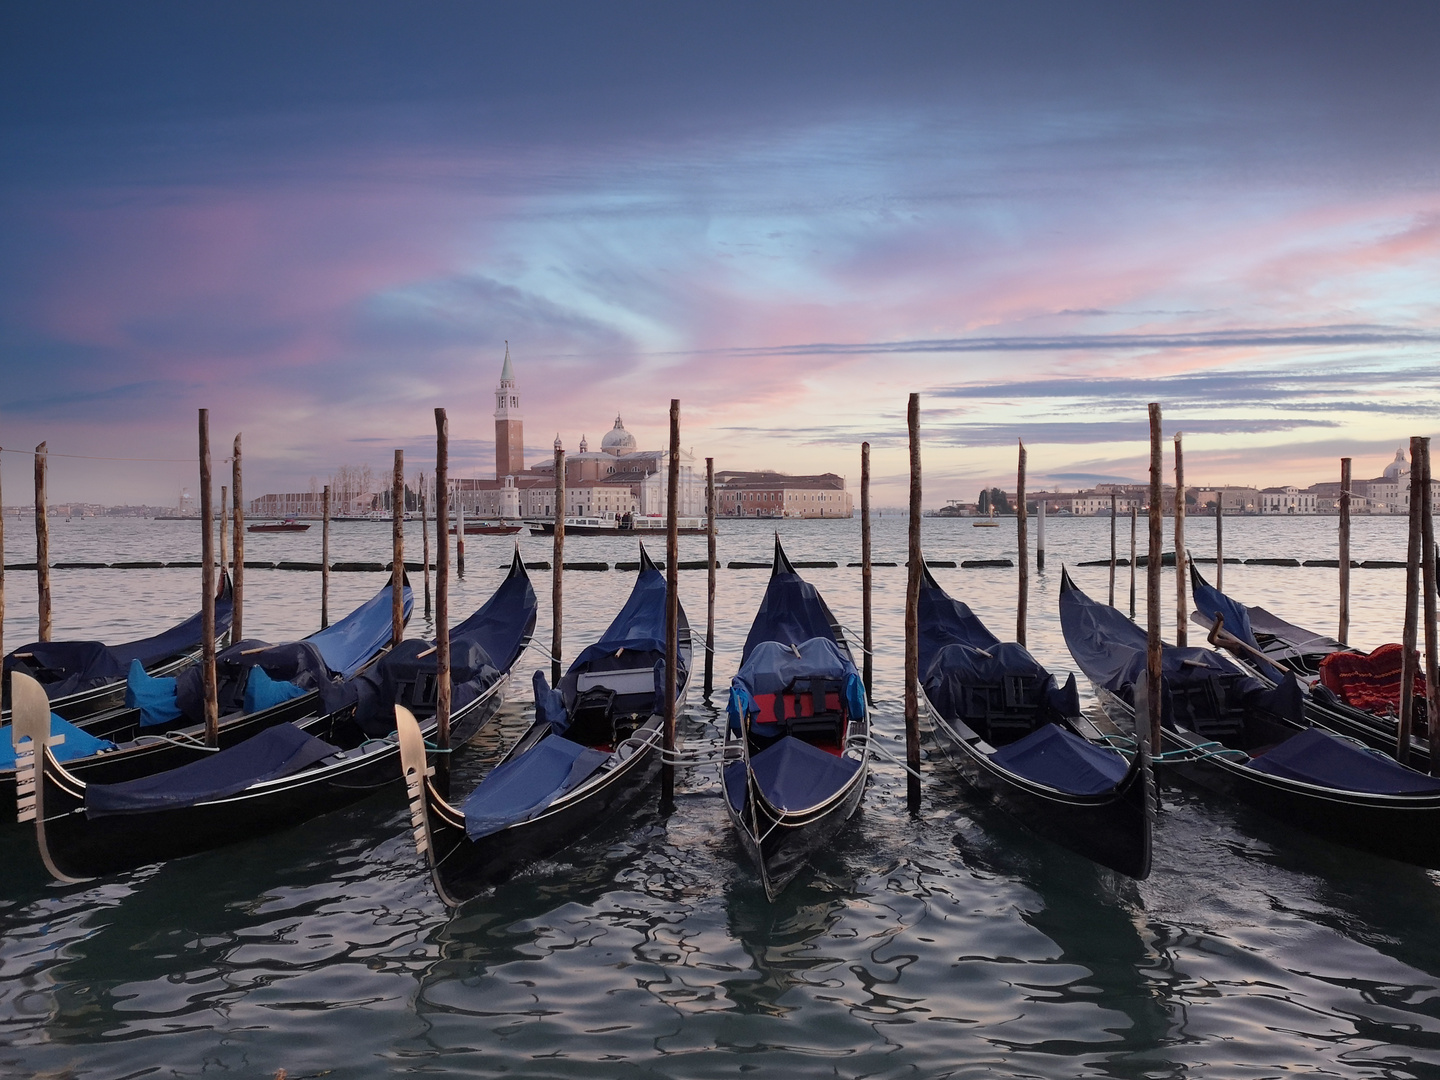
1427 609
459 530
425 540
397 550
1134 517
224 524
916 567
1040 536
325 558
443 689
1409 665
1152 583
237 575
1114 512
207 589
709 574
866 575
1022 601
1220 542
1182 609
672 604
42 543
1343 634
442 581
557 580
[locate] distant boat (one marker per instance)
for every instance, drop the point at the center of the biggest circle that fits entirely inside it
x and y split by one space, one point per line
288 525
625 525
481 528
990 523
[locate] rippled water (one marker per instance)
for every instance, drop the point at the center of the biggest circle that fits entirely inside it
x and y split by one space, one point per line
952 944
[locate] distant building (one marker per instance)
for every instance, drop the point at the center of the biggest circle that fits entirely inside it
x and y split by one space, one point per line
1286 500
772 494
1389 493
616 480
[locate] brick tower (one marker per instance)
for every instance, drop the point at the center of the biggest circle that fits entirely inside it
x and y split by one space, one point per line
509 425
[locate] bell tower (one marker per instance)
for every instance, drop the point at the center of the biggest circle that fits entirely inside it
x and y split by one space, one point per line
509 425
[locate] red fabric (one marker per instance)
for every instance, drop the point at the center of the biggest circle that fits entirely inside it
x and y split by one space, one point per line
1370 682
765 706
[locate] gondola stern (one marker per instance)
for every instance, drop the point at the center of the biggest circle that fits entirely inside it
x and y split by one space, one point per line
31 718
416 768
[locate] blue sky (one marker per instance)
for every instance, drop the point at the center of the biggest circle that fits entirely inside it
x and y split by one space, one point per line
322 220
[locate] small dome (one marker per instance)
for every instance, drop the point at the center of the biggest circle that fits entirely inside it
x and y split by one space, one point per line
617 440
1397 468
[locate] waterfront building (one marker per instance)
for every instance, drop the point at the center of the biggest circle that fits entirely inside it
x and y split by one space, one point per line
1286 500
1389 493
765 493
616 480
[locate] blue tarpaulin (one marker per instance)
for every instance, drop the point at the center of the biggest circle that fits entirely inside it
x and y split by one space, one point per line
791 611
77 743
521 789
1317 757
276 752
1110 649
153 695
67 667
1062 760
640 626
792 775
349 643
262 692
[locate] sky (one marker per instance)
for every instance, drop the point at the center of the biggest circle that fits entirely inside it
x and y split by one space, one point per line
321 221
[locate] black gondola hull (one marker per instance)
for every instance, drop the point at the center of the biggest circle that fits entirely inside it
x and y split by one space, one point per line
780 844
463 867
132 762
1406 828
1113 828
80 846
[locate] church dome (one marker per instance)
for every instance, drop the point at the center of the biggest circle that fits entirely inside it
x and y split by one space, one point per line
1397 468
617 440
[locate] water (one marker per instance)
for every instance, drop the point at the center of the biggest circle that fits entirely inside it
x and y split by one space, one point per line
954 944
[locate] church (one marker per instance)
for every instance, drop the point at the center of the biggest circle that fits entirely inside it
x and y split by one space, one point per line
615 480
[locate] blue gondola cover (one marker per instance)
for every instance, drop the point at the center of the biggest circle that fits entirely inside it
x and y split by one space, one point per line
349 643
153 695
262 692
278 751
1110 649
521 789
77 743
792 611
67 667
1062 760
1317 757
792 775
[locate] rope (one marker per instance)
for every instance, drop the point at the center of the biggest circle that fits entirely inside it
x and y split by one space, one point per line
178 738
878 749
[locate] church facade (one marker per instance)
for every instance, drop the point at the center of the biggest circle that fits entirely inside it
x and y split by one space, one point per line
617 479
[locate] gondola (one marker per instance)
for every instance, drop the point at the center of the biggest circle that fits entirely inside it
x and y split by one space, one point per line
1013 732
1246 739
1269 646
82 678
797 741
161 725
286 773
592 750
